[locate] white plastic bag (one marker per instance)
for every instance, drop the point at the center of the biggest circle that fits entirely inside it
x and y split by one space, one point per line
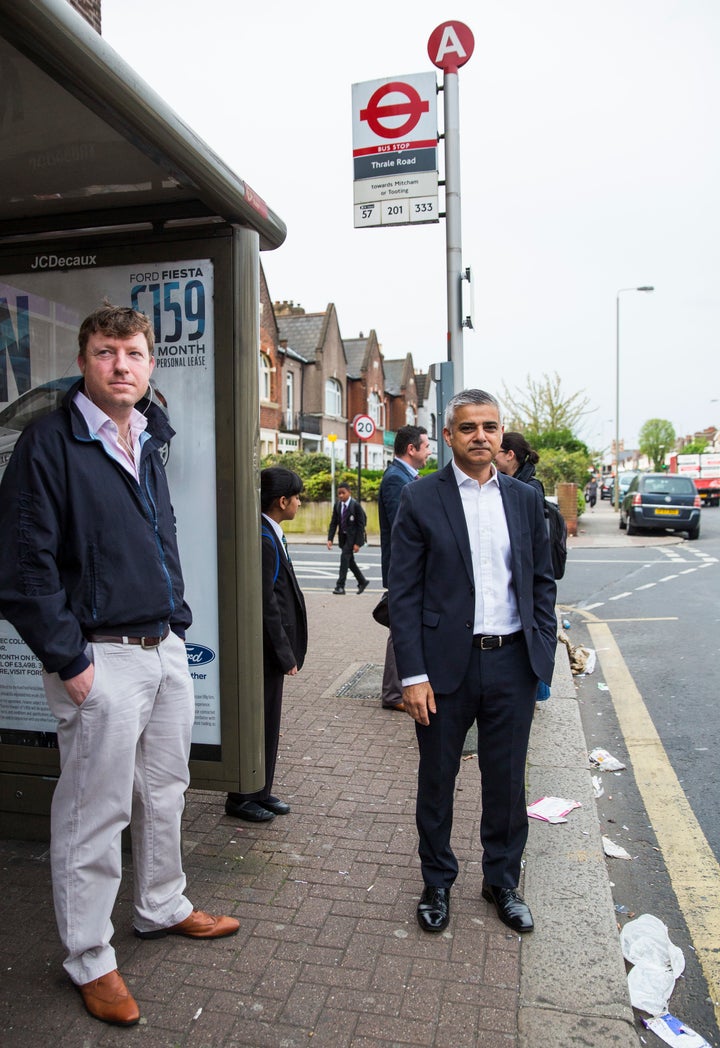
657 963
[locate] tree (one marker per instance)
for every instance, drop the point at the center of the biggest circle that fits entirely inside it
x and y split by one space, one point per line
542 405
657 437
695 447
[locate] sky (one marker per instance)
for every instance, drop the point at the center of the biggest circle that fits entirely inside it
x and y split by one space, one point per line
590 162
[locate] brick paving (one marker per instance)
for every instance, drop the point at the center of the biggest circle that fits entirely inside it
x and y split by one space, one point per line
329 952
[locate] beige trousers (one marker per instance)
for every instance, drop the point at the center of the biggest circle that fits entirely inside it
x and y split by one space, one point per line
124 759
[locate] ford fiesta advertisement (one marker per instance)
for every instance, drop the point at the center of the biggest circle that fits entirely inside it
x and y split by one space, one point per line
40 313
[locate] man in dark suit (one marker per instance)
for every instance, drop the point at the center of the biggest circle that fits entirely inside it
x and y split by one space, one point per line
472 599
412 450
348 519
284 632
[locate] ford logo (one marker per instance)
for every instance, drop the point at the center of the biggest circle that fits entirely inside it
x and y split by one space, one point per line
198 654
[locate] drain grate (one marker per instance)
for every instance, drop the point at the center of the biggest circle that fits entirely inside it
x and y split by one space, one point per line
365 683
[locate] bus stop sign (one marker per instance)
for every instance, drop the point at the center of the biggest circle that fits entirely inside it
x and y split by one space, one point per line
450 46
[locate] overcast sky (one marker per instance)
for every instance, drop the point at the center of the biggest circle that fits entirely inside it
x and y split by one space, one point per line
590 162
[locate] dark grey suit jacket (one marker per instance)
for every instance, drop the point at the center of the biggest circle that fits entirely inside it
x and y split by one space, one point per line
395 477
432 588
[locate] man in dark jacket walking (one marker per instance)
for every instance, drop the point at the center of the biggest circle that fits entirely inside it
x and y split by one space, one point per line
348 519
90 578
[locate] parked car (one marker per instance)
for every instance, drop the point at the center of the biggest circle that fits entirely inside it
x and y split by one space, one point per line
661 502
606 488
624 481
39 401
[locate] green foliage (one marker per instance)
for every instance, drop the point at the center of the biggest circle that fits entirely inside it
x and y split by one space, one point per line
559 439
657 437
304 464
316 472
557 466
695 447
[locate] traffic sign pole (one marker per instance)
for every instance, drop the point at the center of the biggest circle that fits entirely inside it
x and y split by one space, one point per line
364 429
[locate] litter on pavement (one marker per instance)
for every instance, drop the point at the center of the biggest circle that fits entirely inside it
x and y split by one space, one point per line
656 961
552 809
598 788
674 1032
614 851
604 760
582 660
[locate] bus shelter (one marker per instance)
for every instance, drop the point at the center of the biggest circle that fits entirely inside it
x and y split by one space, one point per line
106 194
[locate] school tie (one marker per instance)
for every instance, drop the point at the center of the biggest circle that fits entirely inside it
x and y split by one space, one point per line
285 547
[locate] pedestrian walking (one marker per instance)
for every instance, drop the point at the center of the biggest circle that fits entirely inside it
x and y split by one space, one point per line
348 520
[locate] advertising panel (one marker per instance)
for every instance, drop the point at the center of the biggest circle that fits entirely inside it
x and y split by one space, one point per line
40 312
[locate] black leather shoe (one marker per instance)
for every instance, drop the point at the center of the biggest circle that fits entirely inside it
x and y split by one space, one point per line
275 805
339 589
511 907
248 810
433 911
362 586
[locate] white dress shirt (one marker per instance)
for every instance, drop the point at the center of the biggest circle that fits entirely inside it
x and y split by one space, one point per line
496 609
102 427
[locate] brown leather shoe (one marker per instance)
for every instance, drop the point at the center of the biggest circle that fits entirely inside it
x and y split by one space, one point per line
198 925
399 706
109 999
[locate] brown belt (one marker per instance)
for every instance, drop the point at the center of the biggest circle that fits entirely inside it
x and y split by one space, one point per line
486 641
144 642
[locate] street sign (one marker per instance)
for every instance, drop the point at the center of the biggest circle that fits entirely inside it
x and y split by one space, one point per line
395 150
363 427
450 46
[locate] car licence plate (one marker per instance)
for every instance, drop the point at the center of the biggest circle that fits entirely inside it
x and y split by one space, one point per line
667 512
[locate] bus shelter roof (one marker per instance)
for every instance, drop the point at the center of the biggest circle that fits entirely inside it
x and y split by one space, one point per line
86 144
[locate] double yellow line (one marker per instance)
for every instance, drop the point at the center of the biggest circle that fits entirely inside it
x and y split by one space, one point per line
693 869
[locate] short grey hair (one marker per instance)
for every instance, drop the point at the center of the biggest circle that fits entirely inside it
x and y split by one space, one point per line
469 396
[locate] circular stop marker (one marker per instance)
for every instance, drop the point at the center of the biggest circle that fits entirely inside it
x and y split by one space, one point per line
375 112
450 46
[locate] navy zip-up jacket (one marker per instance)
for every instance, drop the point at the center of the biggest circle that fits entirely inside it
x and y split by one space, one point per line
84 548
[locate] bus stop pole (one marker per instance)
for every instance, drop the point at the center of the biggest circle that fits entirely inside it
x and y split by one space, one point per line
453 226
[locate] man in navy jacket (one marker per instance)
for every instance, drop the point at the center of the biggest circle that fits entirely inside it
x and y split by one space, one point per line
472 609
90 578
412 450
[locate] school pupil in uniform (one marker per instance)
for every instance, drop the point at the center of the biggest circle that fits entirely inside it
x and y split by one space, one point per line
284 632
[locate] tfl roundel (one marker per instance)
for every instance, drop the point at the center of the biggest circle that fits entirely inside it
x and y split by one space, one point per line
450 46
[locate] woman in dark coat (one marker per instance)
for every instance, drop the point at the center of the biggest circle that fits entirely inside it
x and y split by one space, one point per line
284 632
517 459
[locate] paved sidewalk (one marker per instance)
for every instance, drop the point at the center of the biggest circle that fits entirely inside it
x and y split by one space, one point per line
329 952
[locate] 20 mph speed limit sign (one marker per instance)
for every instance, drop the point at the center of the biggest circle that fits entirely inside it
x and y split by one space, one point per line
363 427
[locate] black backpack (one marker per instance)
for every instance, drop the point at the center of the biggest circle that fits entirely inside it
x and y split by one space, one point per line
557 532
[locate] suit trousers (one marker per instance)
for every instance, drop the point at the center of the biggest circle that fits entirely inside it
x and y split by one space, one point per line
391 693
347 562
498 694
123 756
273 681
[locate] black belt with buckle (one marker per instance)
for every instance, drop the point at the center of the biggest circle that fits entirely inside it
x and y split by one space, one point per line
487 641
144 642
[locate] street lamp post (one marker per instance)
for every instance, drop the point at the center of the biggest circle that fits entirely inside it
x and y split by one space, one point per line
616 485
